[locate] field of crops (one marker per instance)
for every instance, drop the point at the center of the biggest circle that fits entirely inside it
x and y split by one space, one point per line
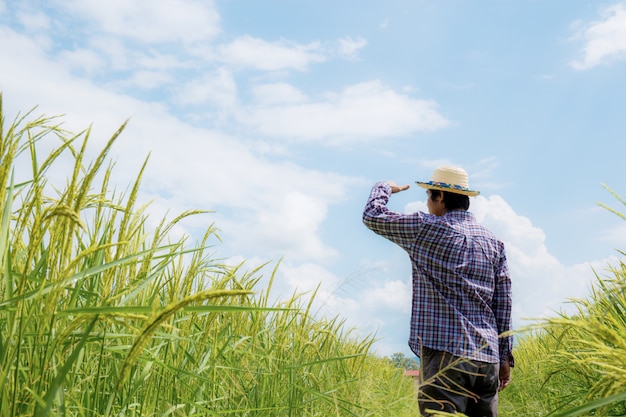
100 316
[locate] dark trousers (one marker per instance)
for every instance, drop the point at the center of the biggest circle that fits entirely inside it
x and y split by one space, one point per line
452 384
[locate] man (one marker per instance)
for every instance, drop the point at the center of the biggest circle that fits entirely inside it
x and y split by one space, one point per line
461 294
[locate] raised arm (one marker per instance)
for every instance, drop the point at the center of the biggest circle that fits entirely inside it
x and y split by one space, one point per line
397 227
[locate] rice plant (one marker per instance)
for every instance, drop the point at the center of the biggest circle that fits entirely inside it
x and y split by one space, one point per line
574 365
101 316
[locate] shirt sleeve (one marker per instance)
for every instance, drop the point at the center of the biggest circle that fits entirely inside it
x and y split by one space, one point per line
397 227
502 305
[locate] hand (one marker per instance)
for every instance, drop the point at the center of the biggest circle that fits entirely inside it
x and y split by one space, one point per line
395 188
505 375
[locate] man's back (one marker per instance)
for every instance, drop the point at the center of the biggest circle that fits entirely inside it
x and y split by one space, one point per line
460 278
456 266
461 294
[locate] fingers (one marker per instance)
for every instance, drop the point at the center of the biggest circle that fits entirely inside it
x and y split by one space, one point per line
395 188
505 376
504 383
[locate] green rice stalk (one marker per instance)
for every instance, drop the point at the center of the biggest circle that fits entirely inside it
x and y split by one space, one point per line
593 405
59 379
155 322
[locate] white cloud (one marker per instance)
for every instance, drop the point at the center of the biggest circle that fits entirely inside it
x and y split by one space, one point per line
278 93
287 225
114 51
147 80
151 21
33 20
510 227
83 60
218 88
541 284
276 206
368 305
393 295
348 47
360 112
249 52
604 40
57 92
116 58
307 278
616 236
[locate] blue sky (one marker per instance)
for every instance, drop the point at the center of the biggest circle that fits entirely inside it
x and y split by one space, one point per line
280 115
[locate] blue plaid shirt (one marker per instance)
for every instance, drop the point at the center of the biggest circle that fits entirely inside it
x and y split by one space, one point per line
461 283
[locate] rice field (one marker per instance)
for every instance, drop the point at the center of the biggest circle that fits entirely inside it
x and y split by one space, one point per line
575 365
102 316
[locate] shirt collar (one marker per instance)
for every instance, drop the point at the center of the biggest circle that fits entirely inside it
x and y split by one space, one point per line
459 214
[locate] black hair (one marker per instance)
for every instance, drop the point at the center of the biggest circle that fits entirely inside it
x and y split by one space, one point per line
451 201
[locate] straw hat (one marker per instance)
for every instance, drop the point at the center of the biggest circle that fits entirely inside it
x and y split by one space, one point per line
451 179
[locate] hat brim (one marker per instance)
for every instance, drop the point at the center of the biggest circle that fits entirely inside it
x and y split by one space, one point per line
451 188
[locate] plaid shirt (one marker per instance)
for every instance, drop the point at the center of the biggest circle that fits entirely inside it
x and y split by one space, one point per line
461 283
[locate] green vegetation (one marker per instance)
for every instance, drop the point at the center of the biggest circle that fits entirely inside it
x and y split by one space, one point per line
100 316
576 365
398 360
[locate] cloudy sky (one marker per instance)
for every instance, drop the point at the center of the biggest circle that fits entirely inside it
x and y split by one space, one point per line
280 115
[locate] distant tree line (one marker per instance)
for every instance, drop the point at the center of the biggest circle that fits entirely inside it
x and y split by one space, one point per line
400 361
